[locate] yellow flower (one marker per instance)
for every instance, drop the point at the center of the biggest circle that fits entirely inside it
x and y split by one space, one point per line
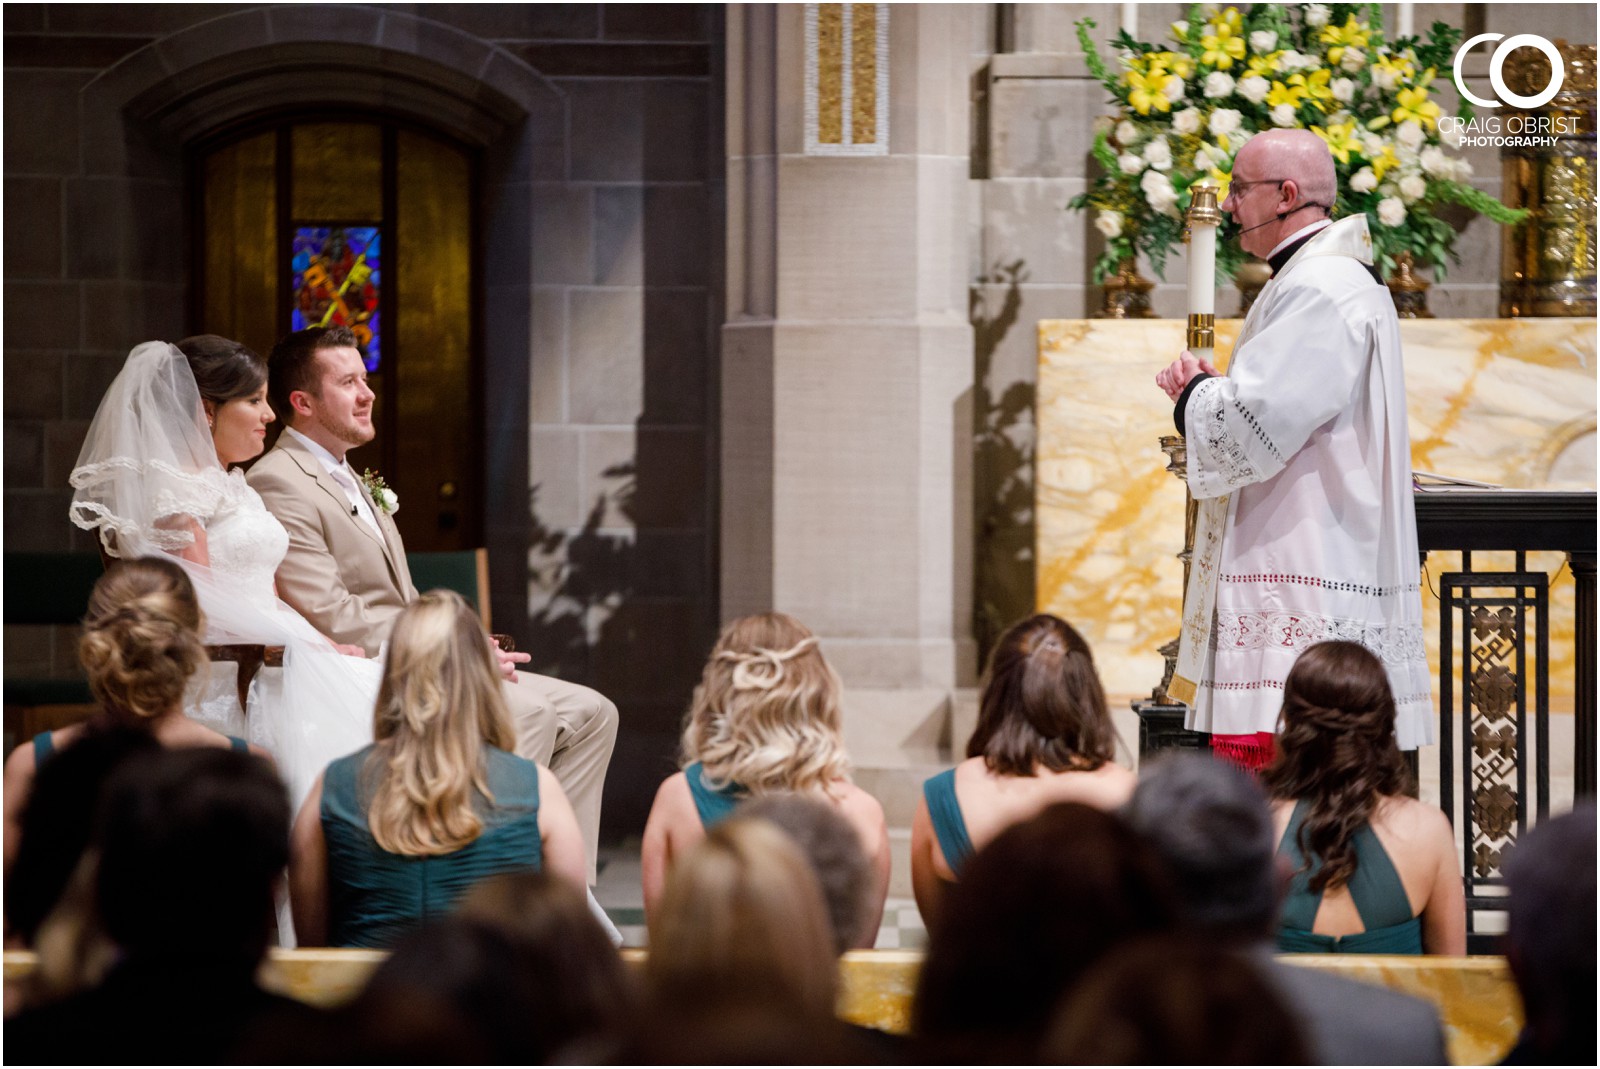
1412 103
1146 91
1394 69
1317 90
1264 65
1229 19
1351 35
1173 62
1340 139
1384 162
1221 48
1291 93
1221 180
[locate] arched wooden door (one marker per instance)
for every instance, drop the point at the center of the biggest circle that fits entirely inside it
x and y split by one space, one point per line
309 221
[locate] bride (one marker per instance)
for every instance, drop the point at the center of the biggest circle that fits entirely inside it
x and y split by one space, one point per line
157 477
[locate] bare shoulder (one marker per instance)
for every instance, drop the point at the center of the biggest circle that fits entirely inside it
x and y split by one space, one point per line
857 803
20 763
1413 821
673 798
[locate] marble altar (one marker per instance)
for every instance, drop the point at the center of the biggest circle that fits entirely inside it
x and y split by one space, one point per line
1503 401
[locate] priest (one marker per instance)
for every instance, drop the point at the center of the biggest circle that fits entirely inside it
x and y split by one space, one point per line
1300 459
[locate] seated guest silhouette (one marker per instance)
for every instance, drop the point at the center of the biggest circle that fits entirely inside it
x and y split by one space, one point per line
1374 870
764 719
1044 736
140 646
394 833
189 844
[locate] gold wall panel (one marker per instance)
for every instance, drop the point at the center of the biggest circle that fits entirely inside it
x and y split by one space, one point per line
433 375
863 73
1510 402
830 73
240 272
337 170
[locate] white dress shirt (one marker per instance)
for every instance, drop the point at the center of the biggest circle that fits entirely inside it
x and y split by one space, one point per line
341 473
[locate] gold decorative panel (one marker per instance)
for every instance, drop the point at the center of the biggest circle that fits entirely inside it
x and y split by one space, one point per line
238 278
337 172
1510 402
847 79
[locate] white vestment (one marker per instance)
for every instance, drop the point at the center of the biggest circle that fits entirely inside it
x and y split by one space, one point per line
1300 458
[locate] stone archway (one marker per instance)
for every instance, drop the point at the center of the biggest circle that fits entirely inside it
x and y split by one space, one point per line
139 115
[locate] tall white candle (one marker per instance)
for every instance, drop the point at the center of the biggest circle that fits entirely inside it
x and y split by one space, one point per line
1408 20
1130 19
1202 265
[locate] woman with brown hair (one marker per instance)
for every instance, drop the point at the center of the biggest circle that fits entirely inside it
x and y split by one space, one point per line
139 648
1375 869
396 832
1044 736
764 720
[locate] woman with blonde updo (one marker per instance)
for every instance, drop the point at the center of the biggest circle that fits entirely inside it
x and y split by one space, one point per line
394 833
1375 870
139 648
1044 736
764 719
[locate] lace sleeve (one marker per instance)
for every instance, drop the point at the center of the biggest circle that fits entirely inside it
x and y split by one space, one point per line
135 504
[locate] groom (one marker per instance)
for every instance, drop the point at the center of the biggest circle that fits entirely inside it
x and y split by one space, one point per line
346 567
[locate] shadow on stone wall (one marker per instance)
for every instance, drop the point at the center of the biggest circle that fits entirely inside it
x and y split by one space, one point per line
1003 435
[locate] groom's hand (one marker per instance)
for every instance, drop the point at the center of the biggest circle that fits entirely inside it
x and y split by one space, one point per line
509 662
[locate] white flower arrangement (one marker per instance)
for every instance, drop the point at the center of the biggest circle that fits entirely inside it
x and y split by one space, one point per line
387 500
1186 106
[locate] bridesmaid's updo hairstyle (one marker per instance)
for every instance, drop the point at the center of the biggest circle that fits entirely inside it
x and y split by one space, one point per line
224 369
1336 747
141 638
1042 703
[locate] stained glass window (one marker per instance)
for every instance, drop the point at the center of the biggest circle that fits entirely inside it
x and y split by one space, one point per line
337 283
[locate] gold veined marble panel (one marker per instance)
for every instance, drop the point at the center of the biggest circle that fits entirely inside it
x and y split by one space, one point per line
830 73
1503 401
863 73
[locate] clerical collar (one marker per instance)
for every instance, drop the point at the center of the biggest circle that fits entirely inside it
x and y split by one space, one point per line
1290 245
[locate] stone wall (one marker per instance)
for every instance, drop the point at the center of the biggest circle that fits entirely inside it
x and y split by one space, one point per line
1035 107
601 132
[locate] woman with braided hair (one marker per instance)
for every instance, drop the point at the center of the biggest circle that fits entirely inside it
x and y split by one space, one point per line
139 648
394 833
764 720
1044 736
1375 870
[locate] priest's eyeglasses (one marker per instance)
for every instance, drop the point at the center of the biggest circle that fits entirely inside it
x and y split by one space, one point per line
1235 187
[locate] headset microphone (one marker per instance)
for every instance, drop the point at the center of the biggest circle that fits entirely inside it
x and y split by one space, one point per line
1281 216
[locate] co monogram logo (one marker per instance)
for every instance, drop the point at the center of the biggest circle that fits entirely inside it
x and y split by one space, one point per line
1497 64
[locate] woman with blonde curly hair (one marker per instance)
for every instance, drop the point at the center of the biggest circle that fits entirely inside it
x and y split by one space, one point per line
1375 870
396 832
140 646
764 719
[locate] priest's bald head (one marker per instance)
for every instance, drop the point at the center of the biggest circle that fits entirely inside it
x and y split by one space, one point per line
1282 181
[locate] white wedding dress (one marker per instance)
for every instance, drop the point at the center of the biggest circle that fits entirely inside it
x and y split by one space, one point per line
331 715
149 475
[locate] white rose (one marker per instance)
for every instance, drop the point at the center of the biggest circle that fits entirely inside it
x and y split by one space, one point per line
1352 60
1292 61
1218 84
1187 121
1263 41
1224 121
1109 223
1450 134
1129 163
1435 162
1316 15
1409 134
1158 154
388 501
1203 160
1344 90
1385 79
1391 212
1175 89
1283 115
1460 170
1363 181
1127 133
1180 29
1412 187
1254 88
1155 181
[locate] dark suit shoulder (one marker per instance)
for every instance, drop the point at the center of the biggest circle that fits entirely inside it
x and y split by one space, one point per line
1353 1023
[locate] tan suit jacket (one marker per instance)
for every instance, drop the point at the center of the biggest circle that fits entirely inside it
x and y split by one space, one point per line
349 583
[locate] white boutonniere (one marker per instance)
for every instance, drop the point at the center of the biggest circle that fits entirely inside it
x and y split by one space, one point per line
386 499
